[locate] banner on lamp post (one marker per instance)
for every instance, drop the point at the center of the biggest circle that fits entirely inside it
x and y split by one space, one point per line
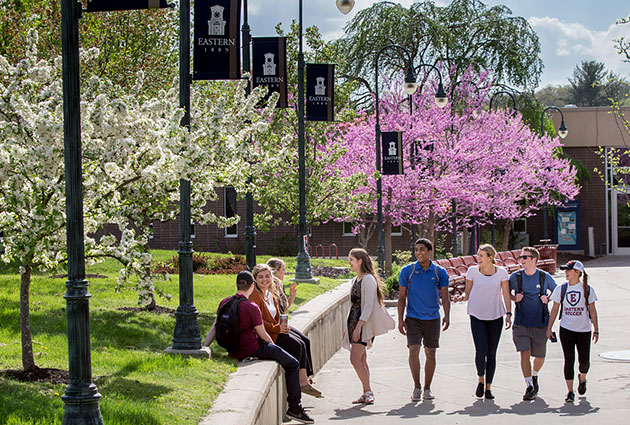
269 56
112 5
320 92
392 152
217 47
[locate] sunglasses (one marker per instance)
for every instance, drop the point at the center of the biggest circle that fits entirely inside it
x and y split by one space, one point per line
524 257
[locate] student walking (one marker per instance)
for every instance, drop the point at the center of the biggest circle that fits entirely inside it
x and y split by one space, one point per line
367 317
531 287
421 285
488 294
575 301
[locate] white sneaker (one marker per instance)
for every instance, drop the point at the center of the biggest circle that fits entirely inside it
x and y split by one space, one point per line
426 395
417 394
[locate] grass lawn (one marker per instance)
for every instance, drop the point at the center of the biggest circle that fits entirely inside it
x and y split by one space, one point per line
138 383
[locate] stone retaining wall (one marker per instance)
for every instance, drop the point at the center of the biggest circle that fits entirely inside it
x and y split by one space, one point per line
255 394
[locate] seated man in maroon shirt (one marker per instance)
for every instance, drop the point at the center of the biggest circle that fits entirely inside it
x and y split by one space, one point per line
256 342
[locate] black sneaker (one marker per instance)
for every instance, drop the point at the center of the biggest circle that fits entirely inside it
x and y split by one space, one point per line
489 395
582 388
570 398
535 381
479 390
529 393
297 413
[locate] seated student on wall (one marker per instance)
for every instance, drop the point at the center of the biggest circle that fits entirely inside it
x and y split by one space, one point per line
256 342
281 334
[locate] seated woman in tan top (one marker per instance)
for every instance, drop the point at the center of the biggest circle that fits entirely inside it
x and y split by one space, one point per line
282 335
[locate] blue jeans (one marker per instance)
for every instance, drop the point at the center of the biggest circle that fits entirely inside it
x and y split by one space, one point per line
486 334
291 367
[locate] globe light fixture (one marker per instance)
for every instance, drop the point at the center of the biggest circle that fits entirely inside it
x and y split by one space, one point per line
440 97
563 131
345 6
410 82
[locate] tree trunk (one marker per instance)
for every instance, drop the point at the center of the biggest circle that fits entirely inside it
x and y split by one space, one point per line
431 228
365 234
507 229
388 246
28 361
466 241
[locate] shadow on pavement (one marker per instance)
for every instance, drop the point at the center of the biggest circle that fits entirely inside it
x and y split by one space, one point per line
413 410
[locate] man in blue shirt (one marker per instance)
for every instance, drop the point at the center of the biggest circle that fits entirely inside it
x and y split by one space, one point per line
531 289
421 285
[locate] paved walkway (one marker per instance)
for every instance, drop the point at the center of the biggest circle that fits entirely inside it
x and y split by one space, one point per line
607 400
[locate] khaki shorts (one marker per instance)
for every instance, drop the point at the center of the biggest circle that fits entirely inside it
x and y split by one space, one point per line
530 339
419 331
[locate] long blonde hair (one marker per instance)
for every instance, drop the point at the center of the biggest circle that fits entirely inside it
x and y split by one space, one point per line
367 267
257 269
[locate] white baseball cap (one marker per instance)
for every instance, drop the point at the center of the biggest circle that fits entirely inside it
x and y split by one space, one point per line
573 265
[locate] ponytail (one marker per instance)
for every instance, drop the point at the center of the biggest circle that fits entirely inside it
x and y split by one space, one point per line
585 282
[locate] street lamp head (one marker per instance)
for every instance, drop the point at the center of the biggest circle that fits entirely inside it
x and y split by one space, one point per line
410 82
563 131
345 6
440 97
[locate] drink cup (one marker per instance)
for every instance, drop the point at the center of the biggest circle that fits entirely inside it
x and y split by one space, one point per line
284 319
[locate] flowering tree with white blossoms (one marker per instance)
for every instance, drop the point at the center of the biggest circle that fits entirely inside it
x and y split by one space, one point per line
135 153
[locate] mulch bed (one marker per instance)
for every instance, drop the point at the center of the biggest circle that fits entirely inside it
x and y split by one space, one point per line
157 310
46 374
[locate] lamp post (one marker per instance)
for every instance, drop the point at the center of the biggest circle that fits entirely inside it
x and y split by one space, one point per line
303 267
410 88
81 397
562 132
492 231
250 229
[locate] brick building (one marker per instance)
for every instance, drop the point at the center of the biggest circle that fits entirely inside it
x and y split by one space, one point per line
597 207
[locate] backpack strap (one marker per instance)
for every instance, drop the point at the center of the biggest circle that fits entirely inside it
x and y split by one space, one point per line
519 282
563 294
435 271
541 291
411 272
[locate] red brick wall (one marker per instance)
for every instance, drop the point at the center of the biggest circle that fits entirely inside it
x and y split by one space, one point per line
592 199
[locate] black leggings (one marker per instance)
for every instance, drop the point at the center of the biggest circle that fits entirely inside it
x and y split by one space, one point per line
570 340
486 335
299 346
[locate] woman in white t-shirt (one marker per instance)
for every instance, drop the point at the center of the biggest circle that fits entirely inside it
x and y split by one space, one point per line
576 318
488 295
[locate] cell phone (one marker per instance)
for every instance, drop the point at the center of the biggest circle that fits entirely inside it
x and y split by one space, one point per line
553 337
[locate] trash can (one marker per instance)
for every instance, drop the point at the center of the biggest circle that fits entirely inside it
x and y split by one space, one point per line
548 255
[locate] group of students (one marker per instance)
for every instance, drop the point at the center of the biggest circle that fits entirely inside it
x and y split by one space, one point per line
489 292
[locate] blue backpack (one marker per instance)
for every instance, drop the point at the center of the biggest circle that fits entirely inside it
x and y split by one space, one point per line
227 324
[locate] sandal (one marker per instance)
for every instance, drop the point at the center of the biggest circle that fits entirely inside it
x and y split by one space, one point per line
366 398
311 390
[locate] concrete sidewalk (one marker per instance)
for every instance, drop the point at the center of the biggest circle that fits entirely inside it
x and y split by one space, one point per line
607 400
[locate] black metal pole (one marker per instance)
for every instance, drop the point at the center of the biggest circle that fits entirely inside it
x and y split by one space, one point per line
542 131
379 186
492 230
454 208
81 396
303 268
250 229
187 335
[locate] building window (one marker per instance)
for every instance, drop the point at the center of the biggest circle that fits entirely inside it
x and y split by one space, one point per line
520 225
347 228
192 230
152 230
397 230
229 205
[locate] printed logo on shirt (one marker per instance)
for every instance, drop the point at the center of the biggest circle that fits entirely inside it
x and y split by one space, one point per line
573 297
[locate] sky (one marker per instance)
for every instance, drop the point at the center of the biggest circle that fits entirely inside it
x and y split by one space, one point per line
570 31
